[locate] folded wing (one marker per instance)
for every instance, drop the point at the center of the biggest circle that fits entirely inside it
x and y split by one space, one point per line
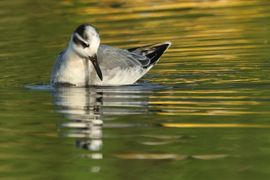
140 57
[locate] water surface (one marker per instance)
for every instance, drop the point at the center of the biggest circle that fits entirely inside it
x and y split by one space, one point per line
202 113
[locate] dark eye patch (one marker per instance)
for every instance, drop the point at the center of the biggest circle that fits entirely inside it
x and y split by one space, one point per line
77 41
84 45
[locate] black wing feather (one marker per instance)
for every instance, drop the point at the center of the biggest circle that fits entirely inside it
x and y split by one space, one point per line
152 52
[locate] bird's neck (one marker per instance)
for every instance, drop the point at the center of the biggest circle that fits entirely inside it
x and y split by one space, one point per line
72 55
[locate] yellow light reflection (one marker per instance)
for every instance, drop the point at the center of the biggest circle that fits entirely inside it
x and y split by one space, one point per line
205 125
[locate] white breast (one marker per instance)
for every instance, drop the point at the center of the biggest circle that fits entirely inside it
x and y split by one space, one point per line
71 69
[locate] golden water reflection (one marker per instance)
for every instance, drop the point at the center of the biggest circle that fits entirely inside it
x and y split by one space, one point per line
206 125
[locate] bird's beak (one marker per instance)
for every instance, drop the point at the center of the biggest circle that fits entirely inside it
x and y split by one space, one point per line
94 61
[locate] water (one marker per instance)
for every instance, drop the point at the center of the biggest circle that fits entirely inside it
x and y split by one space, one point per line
202 113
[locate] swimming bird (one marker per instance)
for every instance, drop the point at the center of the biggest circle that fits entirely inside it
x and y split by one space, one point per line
87 62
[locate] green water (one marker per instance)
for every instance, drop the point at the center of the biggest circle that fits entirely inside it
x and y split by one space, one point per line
202 113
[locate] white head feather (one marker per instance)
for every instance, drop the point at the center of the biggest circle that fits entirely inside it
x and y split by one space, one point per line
85 41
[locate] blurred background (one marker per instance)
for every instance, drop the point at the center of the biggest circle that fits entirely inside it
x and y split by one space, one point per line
201 113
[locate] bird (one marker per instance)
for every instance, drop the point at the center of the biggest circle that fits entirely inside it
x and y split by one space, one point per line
87 62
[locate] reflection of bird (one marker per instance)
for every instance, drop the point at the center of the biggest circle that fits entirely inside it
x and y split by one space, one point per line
82 106
109 65
86 109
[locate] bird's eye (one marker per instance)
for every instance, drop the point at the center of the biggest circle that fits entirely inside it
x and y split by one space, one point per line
84 45
78 41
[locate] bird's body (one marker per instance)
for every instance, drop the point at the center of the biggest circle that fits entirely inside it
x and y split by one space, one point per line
110 66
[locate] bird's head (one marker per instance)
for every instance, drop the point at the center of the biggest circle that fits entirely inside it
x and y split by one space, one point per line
85 42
